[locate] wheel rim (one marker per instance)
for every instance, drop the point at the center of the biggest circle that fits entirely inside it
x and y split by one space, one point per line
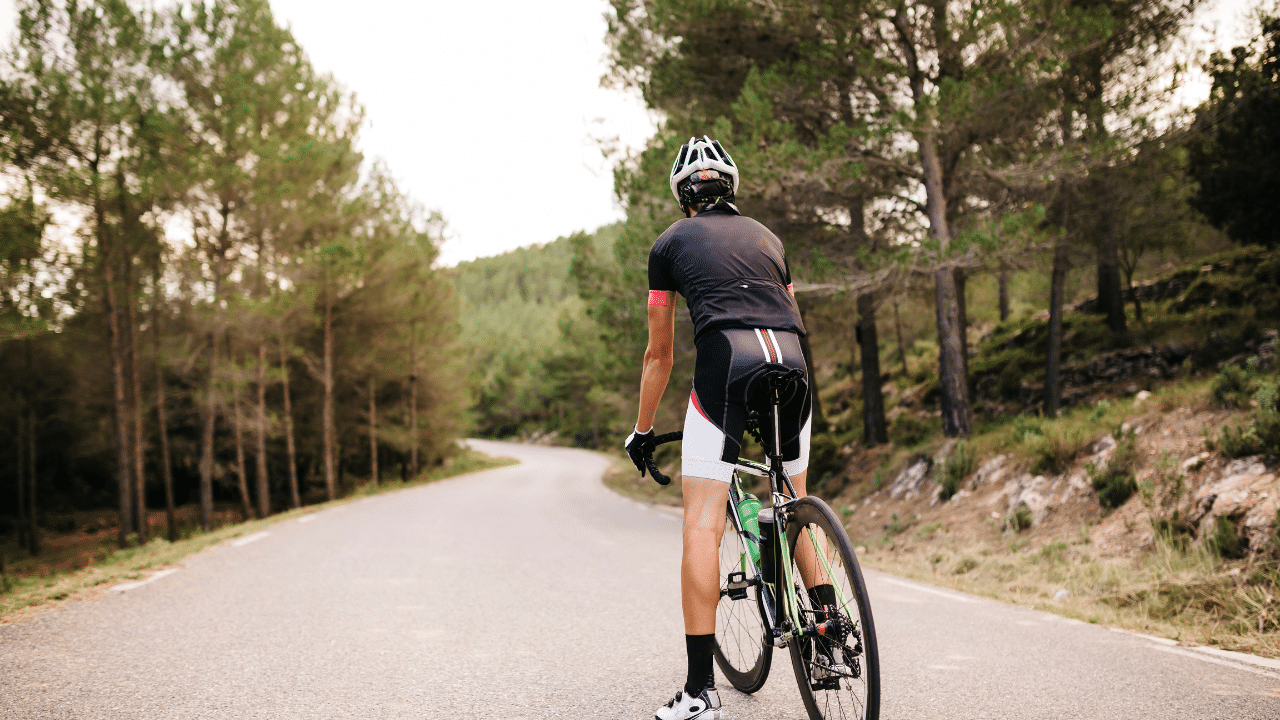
739 629
850 694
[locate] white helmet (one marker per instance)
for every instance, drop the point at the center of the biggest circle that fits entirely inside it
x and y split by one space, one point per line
704 156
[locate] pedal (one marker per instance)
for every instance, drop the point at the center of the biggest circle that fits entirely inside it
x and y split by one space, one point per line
736 587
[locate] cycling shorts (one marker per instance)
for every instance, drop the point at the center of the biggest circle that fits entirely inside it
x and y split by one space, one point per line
717 413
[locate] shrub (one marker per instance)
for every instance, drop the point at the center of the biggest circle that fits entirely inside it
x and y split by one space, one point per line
965 566
1232 388
1115 484
1100 409
1225 539
1023 428
1262 436
825 459
1009 383
957 467
1055 449
897 525
1021 518
908 430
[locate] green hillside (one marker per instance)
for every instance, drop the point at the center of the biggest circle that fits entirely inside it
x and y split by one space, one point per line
519 313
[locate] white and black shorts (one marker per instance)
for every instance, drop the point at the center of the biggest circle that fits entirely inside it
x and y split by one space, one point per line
717 414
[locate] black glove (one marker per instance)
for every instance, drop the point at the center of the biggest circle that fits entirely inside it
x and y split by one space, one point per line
638 446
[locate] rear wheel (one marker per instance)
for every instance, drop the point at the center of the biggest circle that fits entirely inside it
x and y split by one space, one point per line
741 651
839 671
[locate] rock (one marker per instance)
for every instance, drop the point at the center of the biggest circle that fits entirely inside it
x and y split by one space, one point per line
1247 493
1251 465
1061 595
1194 463
991 471
1029 491
910 480
1140 397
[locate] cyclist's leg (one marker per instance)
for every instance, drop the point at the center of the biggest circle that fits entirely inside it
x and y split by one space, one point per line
704 518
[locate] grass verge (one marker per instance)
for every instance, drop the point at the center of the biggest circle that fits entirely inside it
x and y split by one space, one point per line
1182 592
22 596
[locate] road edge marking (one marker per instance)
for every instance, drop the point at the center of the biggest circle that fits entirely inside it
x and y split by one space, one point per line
1204 657
245 540
951 595
124 587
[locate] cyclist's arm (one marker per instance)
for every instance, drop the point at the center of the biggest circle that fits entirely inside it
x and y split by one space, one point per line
657 358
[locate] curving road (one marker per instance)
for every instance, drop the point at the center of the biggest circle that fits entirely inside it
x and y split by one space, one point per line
534 592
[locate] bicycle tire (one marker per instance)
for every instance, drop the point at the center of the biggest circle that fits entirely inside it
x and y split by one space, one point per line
742 651
856 691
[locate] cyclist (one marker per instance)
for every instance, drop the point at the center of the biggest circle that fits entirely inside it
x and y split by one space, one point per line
733 274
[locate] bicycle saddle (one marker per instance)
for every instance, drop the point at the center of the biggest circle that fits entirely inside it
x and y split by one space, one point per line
790 383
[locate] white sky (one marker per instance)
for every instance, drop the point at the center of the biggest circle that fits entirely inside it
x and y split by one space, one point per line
457 91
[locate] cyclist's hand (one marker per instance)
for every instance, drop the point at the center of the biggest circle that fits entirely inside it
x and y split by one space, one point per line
638 445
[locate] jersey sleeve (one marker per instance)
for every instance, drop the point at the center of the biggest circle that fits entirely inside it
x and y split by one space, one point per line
660 270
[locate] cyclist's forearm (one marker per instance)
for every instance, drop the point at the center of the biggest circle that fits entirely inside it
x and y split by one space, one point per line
653 383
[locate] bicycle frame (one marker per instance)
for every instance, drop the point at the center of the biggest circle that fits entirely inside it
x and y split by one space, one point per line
783 495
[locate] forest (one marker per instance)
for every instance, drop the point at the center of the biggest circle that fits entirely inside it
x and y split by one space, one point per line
981 165
212 306
1000 219
1041 292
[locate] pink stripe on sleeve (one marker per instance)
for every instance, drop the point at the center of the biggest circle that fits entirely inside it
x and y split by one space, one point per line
660 297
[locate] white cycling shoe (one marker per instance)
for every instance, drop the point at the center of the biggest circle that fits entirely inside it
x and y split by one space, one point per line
703 706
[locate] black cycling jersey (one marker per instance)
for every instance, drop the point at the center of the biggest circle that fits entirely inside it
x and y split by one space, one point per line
730 269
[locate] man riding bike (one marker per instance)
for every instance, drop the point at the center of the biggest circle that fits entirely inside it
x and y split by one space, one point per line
733 274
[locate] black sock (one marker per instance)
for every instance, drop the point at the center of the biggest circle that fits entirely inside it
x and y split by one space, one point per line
699 648
822 595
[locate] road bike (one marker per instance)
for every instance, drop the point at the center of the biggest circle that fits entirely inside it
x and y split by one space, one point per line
770 558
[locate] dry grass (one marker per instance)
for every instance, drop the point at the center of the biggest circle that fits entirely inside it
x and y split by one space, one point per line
44 587
1183 593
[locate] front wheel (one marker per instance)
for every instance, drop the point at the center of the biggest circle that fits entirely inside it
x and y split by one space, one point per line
839 671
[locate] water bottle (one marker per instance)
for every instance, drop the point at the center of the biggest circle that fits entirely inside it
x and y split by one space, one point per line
748 515
764 520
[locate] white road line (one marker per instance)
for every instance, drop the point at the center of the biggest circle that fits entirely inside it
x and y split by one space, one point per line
307 518
249 538
122 587
1185 652
927 589
1238 656
1149 638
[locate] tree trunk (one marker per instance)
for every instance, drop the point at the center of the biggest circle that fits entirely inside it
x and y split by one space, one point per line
1057 288
33 525
209 412
902 346
166 468
330 472
20 477
373 432
242 477
1004 293
1133 296
1052 388
413 400
260 451
819 421
120 408
962 310
957 418
142 522
295 498
874 428
1110 298
208 418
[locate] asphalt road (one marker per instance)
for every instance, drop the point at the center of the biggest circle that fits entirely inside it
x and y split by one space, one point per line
534 592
